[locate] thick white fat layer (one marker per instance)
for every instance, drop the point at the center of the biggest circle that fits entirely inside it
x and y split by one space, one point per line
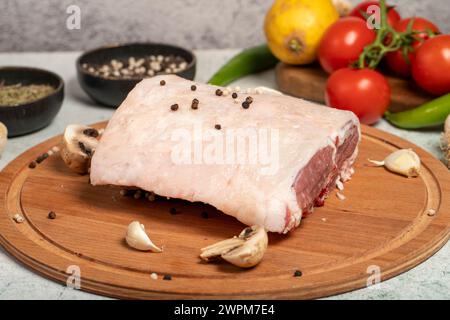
135 149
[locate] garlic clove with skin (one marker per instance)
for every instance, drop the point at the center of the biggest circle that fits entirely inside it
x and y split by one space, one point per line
137 238
404 161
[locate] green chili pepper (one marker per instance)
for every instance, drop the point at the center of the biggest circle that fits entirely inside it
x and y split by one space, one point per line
249 61
430 114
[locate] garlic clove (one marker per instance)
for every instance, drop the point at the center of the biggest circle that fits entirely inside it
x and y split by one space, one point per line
404 161
137 238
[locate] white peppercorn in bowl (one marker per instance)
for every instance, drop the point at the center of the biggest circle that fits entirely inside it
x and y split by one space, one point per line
108 73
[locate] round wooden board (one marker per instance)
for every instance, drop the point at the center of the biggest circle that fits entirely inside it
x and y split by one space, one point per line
383 222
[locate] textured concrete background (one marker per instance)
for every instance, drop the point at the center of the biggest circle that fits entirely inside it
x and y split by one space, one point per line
32 25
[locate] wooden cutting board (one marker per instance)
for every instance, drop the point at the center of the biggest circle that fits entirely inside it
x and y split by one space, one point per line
382 223
308 82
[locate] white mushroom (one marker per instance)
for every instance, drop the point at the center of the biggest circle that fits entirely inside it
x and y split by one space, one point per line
3 137
244 251
78 146
138 239
405 162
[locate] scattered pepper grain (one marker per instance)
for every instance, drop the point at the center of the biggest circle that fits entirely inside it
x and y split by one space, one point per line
52 215
174 107
205 215
162 82
194 104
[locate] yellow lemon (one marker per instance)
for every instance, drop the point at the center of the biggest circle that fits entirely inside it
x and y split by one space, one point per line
294 28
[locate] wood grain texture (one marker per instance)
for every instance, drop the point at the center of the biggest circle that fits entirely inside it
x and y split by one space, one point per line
309 83
382 222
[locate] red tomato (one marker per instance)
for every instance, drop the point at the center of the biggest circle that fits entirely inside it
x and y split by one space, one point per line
393 16
431 66
396 60
343 42
364 91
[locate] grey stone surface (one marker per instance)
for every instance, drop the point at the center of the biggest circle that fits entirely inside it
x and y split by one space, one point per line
30 25
430 280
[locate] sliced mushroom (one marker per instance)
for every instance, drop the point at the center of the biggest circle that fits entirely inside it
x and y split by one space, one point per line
137 238
244 251
78 146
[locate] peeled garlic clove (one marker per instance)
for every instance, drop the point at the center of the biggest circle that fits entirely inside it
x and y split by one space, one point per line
405 162
138 239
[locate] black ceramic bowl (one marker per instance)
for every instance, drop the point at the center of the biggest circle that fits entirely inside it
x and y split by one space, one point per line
111 92
35 115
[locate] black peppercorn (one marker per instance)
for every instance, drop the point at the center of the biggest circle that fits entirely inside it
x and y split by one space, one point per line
205 215
194 104
174 107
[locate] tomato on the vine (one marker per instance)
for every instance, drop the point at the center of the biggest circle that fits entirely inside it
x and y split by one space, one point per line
392 15
364 91
396 60
431 66
343 42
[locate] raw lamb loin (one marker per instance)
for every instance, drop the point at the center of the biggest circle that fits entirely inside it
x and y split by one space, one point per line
158 141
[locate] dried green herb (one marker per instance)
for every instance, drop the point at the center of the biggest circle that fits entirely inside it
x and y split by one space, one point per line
17 94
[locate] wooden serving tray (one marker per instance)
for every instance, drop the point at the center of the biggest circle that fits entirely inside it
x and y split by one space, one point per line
383 222
308 82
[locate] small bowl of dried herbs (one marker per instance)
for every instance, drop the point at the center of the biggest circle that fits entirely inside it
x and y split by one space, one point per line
29 98
107 74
